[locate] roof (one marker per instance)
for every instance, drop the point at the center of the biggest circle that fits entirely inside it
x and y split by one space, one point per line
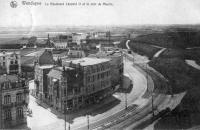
11 78
46 66
46 58
89 61
106 54
8 53
57 72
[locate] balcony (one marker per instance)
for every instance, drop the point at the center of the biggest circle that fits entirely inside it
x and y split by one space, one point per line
26 90
8 105
20 103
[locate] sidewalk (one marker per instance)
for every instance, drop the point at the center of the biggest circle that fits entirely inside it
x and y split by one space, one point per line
83 111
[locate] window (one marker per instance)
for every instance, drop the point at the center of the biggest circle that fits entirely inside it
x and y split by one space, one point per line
16 62
102 75
11 62
4 64
65 90
7 114
88 78
79 99
4 58
7 99
20 113
19 97
107 73
93 87
93 78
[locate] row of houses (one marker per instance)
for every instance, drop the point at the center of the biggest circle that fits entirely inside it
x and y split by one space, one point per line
13 91
76 83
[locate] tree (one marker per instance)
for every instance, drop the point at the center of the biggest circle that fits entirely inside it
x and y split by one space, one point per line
32 41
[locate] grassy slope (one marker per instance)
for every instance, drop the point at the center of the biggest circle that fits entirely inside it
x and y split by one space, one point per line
181 76
143 49
169 39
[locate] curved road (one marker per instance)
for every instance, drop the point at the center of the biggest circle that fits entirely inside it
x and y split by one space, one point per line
139 107
134 97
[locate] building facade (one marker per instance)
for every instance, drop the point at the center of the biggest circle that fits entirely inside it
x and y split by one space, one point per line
14 100
77 37
43 65
78 83
116 63
10 62
76 53
61 45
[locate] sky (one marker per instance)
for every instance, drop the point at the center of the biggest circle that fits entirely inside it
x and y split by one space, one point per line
121 12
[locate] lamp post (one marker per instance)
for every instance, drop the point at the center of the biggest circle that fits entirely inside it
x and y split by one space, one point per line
65 115
125 100
88 122
69 122
152 105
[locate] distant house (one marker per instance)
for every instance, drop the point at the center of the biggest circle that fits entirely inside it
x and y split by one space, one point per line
61 45
10 62
77 37
76 53
60 53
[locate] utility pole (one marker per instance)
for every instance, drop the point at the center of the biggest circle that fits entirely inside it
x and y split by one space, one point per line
152 94
87 103
125 100
69 124
147 79
88 122
65 114
152 105
1 125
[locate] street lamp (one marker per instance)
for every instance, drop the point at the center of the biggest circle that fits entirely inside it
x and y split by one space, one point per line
152 105
88 121
66 117
125 100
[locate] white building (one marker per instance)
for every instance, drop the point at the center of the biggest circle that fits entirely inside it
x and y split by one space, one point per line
61 45
77 37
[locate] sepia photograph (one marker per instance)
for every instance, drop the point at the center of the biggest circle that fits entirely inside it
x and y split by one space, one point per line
100 64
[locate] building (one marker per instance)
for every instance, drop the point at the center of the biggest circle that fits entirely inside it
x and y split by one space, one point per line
10 62
13 100
105 45
62 82
60 45
59 53
76 53
78 83
43 65
77 37
116 63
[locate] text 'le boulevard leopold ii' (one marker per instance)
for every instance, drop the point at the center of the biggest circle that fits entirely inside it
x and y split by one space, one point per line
96 78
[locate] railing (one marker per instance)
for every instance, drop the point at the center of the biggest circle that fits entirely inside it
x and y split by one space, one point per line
8 105
20 103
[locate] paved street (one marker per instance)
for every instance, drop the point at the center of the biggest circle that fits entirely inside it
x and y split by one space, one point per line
42 118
